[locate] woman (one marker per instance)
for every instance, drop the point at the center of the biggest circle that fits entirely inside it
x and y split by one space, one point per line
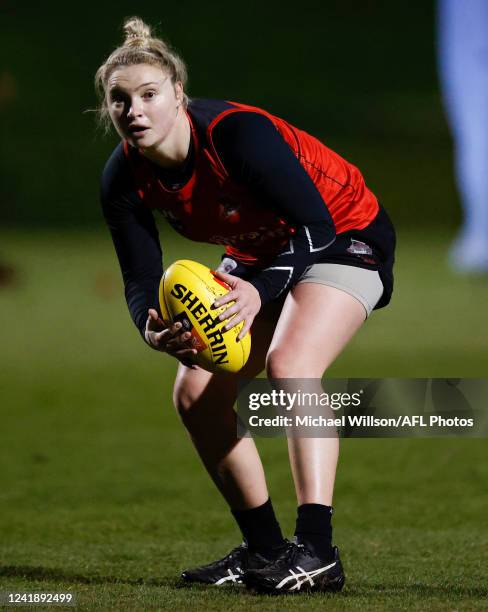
306 241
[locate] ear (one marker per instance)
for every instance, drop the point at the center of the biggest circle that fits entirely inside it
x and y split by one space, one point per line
179 92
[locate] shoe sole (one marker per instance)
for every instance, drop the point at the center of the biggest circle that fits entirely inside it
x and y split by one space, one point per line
324 585
219 585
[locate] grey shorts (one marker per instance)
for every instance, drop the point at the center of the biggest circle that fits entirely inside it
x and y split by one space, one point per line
364 285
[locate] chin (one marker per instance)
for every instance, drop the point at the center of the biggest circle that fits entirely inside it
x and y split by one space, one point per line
144 143
135 142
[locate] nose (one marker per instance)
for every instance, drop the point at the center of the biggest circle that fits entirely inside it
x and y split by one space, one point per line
134 110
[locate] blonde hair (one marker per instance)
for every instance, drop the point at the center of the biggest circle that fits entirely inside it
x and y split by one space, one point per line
139 47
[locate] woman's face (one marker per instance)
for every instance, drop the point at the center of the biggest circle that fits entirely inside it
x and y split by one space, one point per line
143 104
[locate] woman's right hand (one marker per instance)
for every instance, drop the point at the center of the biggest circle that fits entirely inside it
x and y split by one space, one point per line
168 339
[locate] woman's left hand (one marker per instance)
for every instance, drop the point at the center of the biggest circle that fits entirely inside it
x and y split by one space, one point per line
247 303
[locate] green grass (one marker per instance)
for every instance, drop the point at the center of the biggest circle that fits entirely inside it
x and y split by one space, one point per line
100 490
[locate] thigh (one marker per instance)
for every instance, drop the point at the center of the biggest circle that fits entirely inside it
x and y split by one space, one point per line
364 285
316 323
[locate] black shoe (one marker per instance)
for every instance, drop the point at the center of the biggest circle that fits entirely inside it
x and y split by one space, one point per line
228 570
298 570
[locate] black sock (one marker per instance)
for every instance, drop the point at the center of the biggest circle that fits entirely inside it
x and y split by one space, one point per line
314 529
260 528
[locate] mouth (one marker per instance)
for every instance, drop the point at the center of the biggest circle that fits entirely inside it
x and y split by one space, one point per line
137 130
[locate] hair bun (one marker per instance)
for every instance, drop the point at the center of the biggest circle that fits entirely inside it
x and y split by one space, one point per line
137 33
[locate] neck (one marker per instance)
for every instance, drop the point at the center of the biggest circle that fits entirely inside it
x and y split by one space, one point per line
174 149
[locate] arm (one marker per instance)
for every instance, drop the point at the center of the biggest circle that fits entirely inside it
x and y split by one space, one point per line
135 238
253 152
136 242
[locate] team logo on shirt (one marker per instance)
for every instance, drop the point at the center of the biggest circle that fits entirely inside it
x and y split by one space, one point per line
362 250
359 248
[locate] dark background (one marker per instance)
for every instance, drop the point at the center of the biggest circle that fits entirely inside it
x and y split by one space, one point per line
101 492
360 75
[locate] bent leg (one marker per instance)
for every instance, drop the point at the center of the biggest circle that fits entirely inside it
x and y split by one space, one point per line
205 403
316 323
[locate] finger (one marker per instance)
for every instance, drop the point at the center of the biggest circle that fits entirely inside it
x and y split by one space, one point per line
153 314
160 339
151 323
229 312
228 278
179 341
235 321
175 329
166 335
232 296
245 329
154 322
187 352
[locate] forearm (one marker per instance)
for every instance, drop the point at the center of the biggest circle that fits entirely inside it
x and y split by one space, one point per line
141 295
302 251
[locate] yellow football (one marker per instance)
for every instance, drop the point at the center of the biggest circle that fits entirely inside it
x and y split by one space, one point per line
186 293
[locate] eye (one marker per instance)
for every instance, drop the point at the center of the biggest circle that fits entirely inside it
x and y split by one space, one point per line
149 94
116 100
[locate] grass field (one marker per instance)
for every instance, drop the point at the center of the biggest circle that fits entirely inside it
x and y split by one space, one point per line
101 493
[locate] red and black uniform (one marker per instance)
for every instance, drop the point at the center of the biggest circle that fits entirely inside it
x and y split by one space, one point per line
275 196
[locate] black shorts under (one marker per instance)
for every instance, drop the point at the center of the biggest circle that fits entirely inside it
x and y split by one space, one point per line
372 248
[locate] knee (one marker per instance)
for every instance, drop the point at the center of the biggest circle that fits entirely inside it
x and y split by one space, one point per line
286 364
185 400
279 364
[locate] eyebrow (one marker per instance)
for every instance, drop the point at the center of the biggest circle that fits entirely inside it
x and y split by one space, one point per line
117 87
149 83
